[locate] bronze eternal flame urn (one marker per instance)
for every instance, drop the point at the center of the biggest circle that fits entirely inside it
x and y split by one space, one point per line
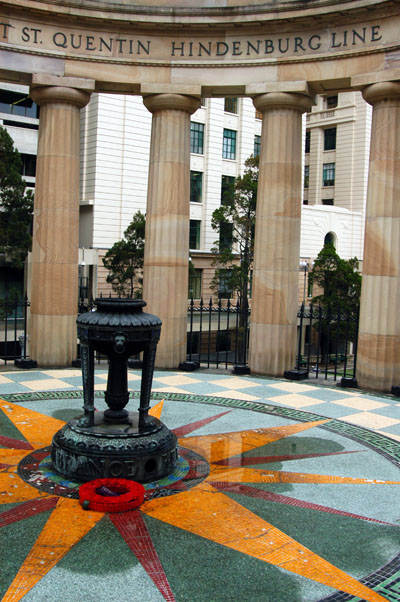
116 442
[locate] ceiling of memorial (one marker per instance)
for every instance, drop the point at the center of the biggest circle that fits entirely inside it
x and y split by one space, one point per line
237 12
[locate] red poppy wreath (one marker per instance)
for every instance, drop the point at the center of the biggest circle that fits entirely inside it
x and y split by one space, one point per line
111 495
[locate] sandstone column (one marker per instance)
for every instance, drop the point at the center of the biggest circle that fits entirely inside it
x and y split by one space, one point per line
166 255
277 238
378 363
54 295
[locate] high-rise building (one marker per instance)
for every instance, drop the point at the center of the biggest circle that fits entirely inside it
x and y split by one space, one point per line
115 146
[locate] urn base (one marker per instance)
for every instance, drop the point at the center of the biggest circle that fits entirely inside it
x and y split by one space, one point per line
144 454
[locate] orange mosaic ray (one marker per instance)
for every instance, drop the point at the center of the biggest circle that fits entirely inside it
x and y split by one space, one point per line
67 524
225 445
12 456
216 517
13 489
259 475
156 410
35 427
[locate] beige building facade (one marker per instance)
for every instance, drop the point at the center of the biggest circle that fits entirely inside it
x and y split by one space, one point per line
281 55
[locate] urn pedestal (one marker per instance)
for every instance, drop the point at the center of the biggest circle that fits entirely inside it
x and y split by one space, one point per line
116 442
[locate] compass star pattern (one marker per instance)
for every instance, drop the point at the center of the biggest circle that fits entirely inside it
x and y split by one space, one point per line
221 480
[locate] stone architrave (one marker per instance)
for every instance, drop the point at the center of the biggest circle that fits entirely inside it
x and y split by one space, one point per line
277 236
166 256
378 361
54 297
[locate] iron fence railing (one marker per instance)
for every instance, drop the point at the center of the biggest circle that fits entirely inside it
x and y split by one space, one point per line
326 344
13 330
218 334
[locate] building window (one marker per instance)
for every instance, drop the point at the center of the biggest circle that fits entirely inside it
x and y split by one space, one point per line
231 105
15 103
203 102
194 234
229 144
330 139
327 201
195 277
227 189
225 236
331 101
257 145
196 186
28 165
328 174
305 201
258 115
308 139
224 286
306 175
196 138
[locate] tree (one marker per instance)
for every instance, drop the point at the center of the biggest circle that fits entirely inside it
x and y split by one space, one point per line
234 221
16 205
340 282
339 279
125 260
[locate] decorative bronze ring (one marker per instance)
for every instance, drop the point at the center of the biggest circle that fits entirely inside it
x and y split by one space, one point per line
111 495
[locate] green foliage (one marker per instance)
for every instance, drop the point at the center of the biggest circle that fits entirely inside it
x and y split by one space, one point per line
125 260
339 279
234 221
341 285
16 204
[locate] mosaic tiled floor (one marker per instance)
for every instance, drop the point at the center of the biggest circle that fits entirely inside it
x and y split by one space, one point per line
284 492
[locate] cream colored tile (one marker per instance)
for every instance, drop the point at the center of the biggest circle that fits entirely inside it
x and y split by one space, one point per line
169 390
45 384
4 380
102 376
390 435
177 379
100 386
370 420
360 403
296 401
293 387
234 383
235 394
133 377
351 393
67 373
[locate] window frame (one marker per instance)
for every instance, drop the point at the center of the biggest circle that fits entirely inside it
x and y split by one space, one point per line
306 176
196 195
195 283
328 169
224 292
229 144
197 138
330 139
194 223
231 105
331 101
307 142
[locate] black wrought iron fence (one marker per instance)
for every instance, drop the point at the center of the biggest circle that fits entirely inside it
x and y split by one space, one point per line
218 335
326 345
13 331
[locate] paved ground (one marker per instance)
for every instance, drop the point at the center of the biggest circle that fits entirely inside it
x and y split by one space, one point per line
284 492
